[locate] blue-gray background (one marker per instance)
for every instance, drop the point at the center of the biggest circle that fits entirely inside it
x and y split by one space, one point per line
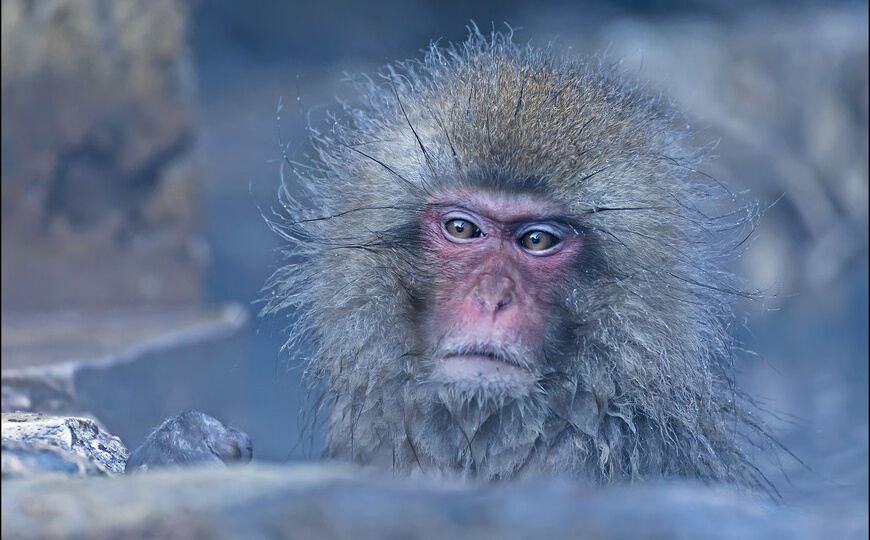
780 87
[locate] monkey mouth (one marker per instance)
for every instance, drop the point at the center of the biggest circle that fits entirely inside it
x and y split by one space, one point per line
482 366
486 353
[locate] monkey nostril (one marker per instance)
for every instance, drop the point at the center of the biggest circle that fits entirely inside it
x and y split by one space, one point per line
503 292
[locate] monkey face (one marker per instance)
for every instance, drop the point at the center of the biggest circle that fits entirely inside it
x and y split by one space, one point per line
501 259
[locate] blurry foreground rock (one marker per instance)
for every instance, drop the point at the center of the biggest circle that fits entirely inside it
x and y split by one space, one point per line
322 502
36 443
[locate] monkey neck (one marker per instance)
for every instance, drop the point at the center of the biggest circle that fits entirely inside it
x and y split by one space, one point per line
434 432
411 429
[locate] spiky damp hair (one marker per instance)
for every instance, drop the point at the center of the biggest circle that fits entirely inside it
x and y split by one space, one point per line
640 386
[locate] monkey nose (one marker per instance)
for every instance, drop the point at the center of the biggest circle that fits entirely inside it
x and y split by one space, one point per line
494 293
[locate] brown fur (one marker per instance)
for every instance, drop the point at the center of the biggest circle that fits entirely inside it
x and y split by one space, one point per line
638 385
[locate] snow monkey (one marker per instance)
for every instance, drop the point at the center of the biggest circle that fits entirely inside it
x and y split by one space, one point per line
507 266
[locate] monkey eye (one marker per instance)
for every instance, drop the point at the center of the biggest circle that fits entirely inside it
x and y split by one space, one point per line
538 240
460 228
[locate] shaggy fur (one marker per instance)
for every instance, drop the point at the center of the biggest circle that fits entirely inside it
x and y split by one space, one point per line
637 382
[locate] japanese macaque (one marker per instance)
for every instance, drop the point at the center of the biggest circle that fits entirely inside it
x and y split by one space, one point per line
507 266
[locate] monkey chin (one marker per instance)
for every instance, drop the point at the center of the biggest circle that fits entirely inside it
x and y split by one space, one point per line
482 376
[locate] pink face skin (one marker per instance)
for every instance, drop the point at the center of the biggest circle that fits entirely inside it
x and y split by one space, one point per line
501 258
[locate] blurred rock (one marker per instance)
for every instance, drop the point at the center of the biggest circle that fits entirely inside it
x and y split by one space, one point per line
99 174
36 444
325 502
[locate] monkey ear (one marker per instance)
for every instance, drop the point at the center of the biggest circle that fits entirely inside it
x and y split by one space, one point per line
581 412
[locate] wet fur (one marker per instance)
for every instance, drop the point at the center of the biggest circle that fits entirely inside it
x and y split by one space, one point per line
637 384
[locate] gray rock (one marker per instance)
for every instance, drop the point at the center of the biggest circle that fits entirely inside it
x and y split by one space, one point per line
325 502
35 444
188 440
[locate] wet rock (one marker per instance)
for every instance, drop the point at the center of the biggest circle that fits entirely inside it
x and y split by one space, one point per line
35 444
191 439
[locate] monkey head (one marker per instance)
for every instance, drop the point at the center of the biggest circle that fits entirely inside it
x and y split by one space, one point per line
505 264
